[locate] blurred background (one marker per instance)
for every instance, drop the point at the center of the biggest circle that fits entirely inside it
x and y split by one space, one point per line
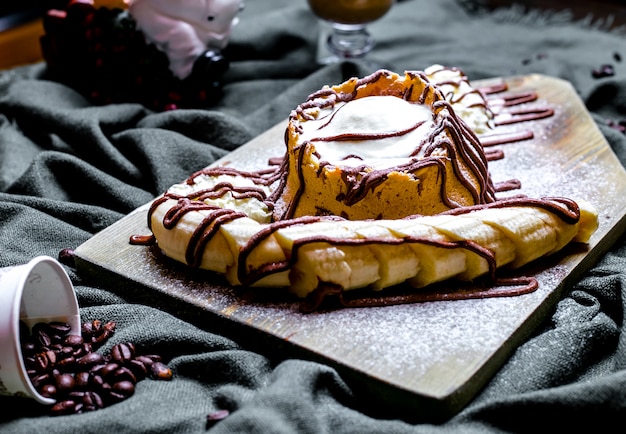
21 23
20 29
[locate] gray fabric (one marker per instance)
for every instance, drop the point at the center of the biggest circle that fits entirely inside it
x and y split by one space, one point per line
69 169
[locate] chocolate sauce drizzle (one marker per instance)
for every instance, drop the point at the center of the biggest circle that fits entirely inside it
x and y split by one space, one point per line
501 287
565 209
515 116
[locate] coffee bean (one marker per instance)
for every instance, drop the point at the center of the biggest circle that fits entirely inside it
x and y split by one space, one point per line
145 360
47 390
66 364
123 352
109 326
43 338
30 363
55 340
96 325
59 328
81 380
106 370
96 332
51 356
92 401
28 348
37 327
97 381
123 389
69 367
82 350
138 368
67 406
41 362
86 330
65 383
124 374
160 371
39 380
57 348
90 359
76 395
73 340
66 351
101 337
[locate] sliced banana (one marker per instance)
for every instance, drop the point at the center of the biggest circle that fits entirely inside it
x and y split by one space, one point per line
216 255
588 223
305 253
525 228
397 260
349 266
237 234
436 263
471 228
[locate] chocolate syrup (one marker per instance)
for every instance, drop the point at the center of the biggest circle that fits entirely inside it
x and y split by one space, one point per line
142 240
498 287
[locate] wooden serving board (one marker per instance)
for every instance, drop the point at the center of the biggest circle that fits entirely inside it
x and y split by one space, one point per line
425 360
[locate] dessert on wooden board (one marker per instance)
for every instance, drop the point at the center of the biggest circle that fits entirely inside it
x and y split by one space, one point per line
384 182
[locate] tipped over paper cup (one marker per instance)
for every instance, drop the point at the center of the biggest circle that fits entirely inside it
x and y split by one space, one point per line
39 291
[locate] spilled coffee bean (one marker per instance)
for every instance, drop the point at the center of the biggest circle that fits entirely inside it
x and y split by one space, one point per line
603 71
69 369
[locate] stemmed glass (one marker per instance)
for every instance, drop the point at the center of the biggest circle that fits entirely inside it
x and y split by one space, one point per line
348 38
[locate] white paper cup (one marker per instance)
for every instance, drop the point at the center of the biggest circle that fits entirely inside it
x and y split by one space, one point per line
39 291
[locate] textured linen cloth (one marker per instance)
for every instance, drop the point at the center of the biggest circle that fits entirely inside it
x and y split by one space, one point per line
69 169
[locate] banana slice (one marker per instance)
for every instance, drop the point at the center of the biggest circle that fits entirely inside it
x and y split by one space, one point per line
529 233
397 260
237 235
318 262
564 233
349 266
588 222
216 255
435 263
467 227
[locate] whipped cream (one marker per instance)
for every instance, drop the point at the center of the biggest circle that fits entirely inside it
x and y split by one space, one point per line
466 101
253 207
381 130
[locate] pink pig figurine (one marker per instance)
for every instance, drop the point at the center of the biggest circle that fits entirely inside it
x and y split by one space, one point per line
187 31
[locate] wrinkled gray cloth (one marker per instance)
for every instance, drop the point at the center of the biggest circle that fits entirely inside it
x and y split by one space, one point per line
69 169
